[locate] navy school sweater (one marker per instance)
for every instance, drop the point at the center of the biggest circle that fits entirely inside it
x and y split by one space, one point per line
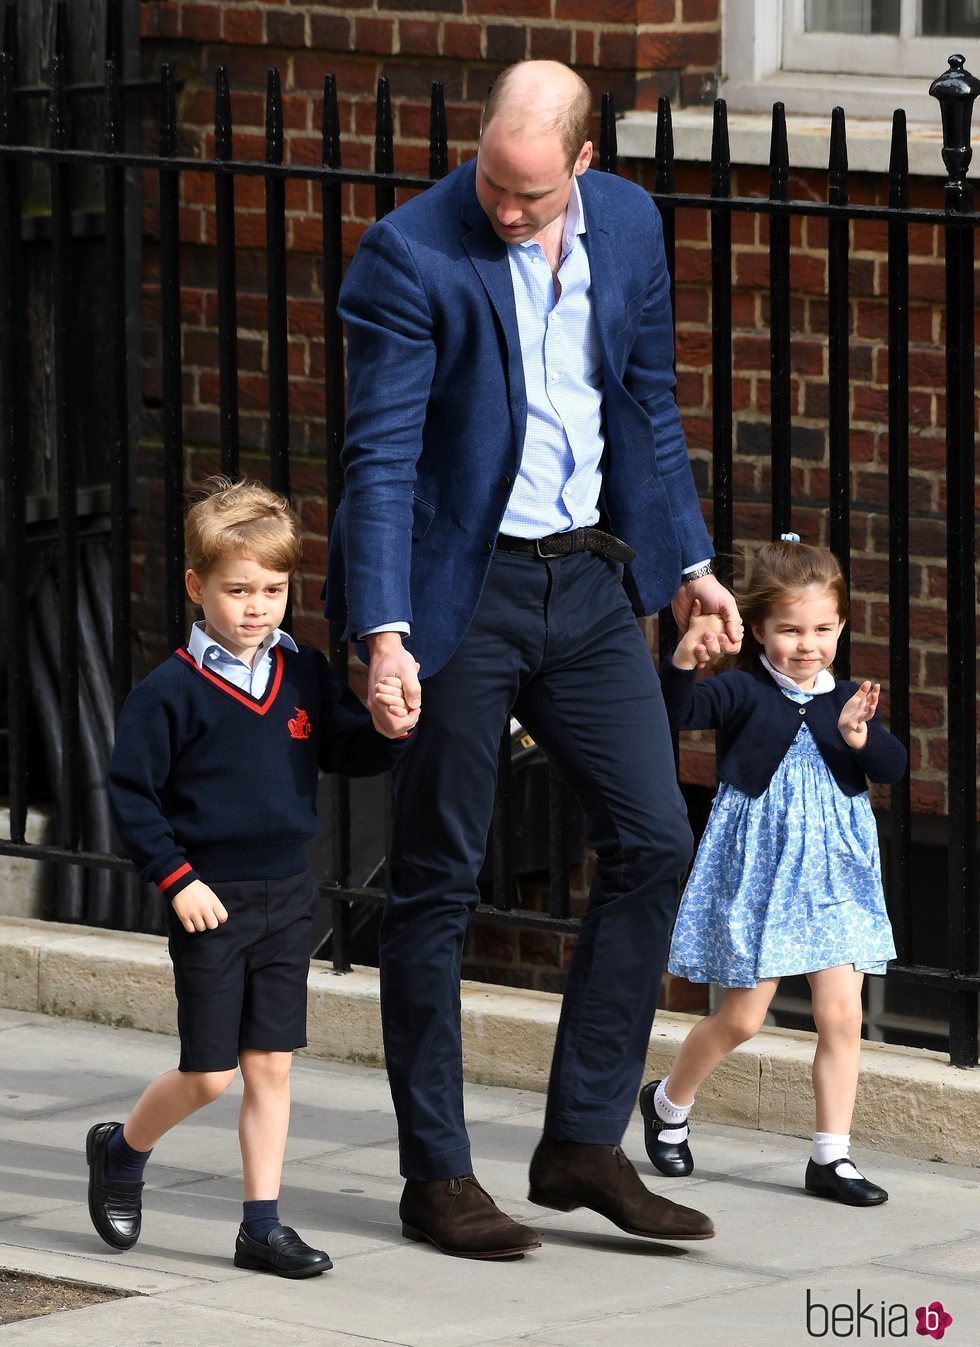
207 782
756 725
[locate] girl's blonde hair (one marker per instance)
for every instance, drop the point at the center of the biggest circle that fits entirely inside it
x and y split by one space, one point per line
241 519
779 570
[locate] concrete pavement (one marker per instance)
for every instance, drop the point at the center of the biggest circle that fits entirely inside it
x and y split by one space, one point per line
784 1269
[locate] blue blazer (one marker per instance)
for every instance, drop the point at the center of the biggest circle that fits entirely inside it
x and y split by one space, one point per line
437 411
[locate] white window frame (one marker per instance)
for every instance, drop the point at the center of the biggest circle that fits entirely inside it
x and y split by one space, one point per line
906 55
763 40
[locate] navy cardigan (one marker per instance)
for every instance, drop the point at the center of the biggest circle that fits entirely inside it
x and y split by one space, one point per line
756 725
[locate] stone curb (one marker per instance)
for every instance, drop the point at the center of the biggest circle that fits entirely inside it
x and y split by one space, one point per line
910 1100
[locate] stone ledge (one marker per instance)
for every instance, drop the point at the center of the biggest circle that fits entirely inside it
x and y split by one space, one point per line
910 1101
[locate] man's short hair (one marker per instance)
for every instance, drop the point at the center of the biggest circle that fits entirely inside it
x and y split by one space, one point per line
570 117
241 519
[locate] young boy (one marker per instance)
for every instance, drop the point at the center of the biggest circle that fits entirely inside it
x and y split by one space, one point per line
212 786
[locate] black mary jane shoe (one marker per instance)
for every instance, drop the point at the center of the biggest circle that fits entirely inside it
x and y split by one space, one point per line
827 1182
672 1158
115 1208
285 1254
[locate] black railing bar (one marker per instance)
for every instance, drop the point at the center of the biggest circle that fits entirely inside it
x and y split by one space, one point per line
246 167
934 977
534 920
367 177
63 856
86 89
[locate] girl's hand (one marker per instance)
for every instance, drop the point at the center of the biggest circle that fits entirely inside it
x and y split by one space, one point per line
856 712
704 640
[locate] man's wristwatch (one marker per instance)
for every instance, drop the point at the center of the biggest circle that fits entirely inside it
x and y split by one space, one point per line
699 572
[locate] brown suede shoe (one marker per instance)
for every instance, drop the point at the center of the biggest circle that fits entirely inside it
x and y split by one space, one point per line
570 1174
459 1218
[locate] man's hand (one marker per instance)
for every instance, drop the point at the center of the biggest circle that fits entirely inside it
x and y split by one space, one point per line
701 643
713 598
393 716
199 908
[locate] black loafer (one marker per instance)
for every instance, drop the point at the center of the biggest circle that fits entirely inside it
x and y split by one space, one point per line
825 1181
285 1254
672 1158
115 1208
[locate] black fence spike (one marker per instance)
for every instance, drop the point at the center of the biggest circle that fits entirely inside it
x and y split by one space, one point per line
438 139
778 155
330 155
274 137
57 106
837 168
721 154
898 162
62 41
608 145
168 113
112 109
222 115
384 157
664 147
6 98
114 46
11 39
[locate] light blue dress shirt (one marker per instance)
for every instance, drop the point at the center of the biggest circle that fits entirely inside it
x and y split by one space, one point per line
254 678
558 483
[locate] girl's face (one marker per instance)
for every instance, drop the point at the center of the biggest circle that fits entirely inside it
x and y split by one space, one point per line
800 634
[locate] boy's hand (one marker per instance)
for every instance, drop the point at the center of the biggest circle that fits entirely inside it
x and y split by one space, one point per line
388 692
199 908
704 640
856 712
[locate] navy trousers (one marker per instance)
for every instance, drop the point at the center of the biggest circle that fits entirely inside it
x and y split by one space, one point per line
557 643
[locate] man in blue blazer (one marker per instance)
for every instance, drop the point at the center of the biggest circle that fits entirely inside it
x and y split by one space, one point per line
517 488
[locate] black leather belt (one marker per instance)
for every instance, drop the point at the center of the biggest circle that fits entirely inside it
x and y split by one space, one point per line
564 544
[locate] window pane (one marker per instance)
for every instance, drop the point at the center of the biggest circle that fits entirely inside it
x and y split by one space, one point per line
855 16
950 18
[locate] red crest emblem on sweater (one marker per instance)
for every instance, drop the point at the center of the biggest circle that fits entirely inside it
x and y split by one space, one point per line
300 726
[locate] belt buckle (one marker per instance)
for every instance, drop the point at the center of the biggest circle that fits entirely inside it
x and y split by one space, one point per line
545 556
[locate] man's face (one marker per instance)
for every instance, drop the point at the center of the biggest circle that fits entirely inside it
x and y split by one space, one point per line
524 184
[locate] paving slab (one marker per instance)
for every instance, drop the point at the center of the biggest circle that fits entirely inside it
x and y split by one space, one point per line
782 1265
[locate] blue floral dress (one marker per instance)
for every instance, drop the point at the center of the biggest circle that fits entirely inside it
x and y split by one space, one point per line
786 882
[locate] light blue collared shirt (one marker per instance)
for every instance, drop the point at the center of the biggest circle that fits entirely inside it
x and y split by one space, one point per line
559 480
254 678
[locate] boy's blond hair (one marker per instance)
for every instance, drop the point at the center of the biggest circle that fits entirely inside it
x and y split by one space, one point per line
241 519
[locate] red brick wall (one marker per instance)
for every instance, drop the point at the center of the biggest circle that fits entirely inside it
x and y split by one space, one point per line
638 49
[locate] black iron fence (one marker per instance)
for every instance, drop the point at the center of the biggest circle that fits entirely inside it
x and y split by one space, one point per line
77 615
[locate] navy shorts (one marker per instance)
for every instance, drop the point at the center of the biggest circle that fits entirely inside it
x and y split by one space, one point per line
243 985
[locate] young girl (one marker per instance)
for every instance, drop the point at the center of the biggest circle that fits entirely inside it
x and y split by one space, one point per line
787 878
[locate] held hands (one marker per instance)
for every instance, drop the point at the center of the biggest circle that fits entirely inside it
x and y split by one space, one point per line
712 598
394 694
855 714
199 908
705 640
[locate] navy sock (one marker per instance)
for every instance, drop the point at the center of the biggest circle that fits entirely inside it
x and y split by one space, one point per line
122 1163
259 1218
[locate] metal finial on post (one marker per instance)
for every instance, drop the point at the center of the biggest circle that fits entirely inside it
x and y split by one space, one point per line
956 91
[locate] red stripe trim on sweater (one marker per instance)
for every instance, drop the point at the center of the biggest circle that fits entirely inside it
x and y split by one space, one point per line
259 707
172 878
